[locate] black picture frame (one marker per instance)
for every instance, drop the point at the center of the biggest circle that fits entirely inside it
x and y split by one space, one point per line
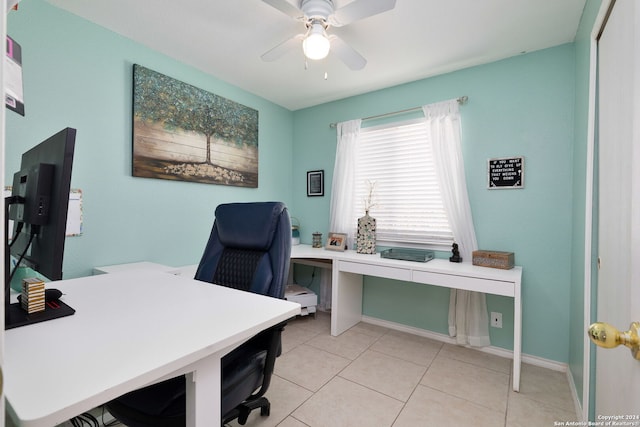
505 173
315 183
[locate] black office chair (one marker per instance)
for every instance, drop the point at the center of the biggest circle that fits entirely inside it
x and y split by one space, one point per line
249 249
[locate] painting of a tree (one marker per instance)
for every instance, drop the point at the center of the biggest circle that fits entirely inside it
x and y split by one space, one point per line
181 132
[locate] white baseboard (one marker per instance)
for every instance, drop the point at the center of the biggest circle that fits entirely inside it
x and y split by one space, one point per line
508 354
574 395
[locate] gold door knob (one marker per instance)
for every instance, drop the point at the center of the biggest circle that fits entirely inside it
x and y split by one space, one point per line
607 336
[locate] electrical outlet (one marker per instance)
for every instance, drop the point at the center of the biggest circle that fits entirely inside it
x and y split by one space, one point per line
496 320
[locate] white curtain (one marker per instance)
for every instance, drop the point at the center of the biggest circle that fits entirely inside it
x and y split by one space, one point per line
468 319
342 198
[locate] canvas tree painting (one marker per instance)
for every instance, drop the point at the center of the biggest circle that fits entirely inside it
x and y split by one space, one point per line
181 132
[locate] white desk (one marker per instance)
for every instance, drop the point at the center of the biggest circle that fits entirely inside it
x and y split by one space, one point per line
348 268
131 329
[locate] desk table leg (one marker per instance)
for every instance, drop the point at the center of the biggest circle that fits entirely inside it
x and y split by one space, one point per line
346 300
203 393
517 337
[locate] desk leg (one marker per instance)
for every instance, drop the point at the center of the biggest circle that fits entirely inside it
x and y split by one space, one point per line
203 393
517 337
325 289
346 300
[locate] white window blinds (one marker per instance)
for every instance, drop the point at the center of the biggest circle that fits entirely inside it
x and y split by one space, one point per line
408 209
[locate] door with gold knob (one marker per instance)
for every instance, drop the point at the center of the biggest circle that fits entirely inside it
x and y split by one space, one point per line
617 390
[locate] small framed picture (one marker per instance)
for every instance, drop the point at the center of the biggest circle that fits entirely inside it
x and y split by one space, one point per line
315 183
505 172
336 241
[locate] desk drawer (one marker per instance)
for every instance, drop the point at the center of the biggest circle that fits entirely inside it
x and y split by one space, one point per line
496 287
375 270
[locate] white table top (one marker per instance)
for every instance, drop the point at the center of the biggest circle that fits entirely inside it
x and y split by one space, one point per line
142 265
129 330
443 266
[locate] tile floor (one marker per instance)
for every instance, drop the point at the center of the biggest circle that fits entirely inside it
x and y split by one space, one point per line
371 376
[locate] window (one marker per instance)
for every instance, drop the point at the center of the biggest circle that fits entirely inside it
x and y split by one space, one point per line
397 159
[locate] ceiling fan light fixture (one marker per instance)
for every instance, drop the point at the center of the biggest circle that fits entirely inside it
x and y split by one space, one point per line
316 44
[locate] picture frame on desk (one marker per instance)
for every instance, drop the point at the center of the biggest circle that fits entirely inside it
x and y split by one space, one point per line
336 242
315 183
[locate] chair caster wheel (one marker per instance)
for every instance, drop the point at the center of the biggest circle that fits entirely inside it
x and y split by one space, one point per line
265 410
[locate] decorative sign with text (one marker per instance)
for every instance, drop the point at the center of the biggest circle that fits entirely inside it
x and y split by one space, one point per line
506 172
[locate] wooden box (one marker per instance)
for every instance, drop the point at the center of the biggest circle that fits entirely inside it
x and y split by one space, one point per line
494 259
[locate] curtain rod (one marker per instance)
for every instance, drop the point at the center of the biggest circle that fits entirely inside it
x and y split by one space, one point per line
462 100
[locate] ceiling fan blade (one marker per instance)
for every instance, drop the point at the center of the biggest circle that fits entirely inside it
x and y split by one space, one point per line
285 7
282 48
346 53
359 9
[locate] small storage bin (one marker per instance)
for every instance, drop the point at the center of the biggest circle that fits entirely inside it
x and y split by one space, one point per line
494 259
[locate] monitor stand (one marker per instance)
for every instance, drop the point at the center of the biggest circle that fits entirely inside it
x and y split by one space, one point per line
16 316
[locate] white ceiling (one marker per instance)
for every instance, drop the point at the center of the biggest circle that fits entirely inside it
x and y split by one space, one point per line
417 39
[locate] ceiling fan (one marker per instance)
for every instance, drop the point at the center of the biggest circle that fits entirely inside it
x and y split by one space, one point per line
318 16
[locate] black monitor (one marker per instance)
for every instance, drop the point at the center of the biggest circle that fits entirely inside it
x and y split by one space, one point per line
38 206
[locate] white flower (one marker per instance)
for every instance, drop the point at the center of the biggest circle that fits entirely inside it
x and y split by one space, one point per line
369 200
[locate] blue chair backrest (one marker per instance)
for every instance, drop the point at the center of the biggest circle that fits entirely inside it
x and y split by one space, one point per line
249 248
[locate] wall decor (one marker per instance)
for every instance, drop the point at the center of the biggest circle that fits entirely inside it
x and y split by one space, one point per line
505 172
366 237
336 241
181 132
315 183
14 88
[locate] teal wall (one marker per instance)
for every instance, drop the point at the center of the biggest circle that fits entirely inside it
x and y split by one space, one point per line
79 75
522 106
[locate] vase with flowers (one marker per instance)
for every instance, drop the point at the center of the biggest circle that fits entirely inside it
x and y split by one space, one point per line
366 239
